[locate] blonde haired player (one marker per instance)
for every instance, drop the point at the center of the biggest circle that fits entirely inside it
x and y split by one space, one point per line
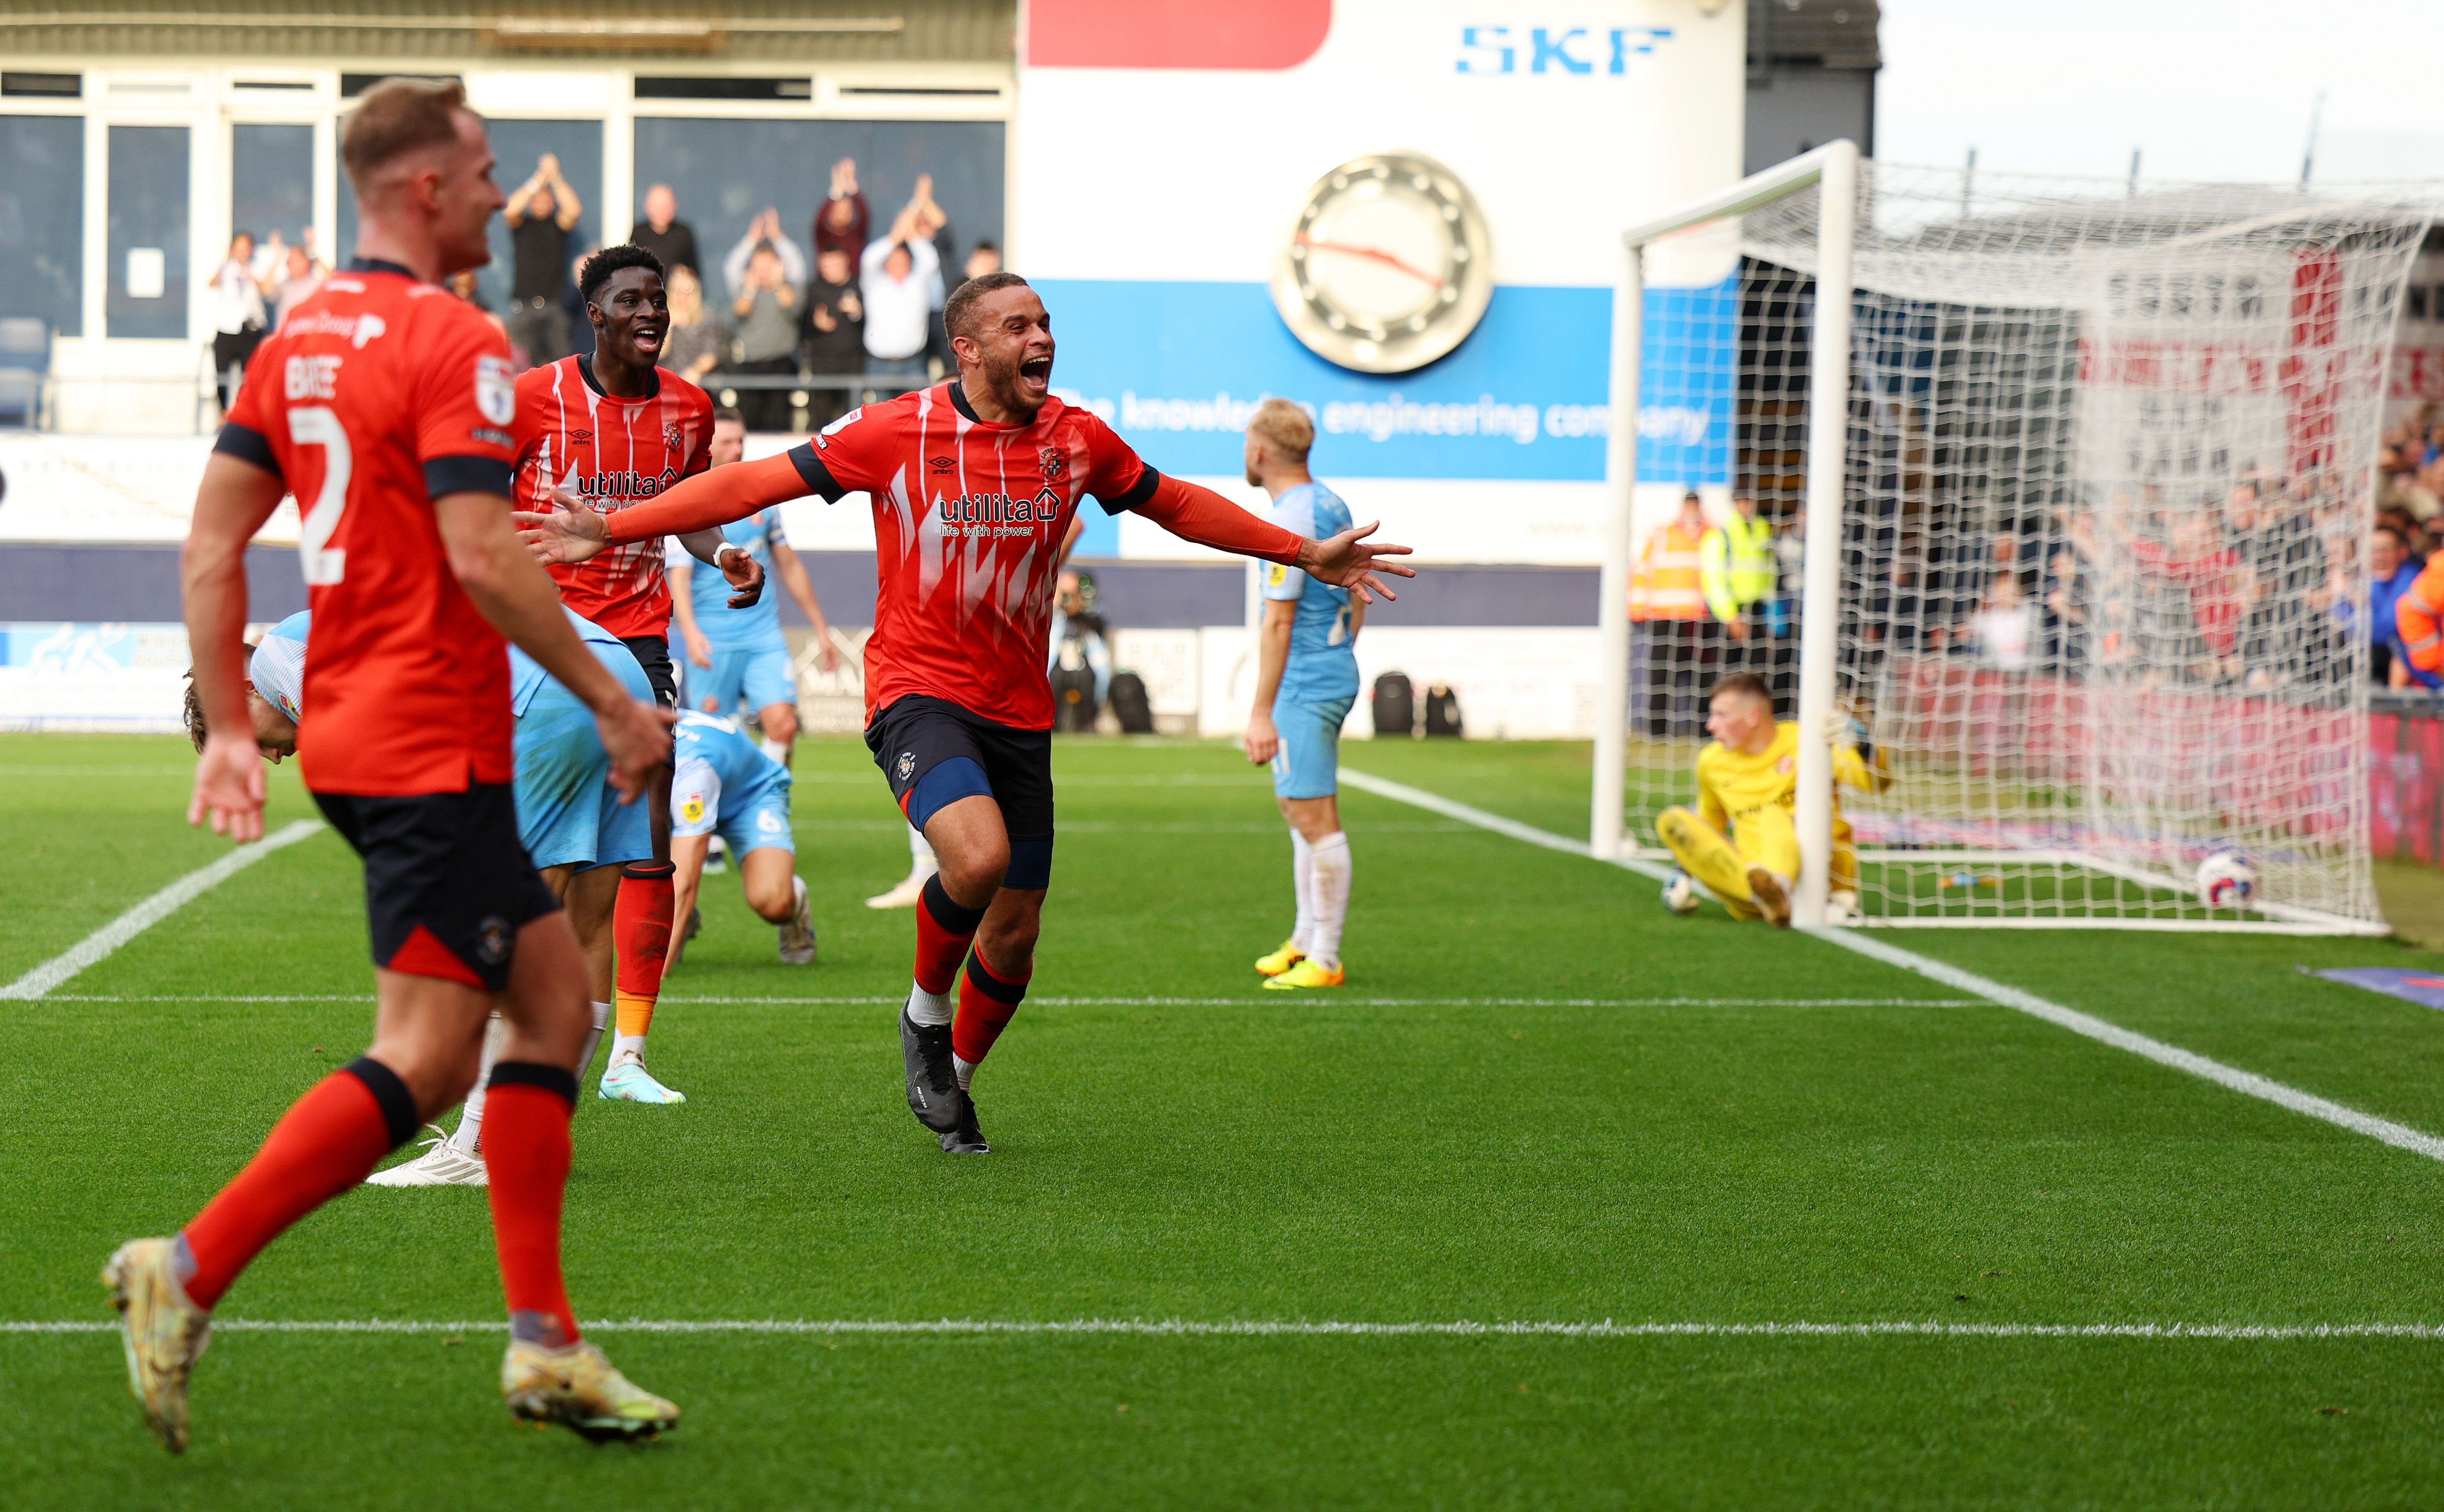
1748 783
1306 678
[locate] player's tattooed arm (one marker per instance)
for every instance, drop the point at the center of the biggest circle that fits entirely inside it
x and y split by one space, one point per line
234 500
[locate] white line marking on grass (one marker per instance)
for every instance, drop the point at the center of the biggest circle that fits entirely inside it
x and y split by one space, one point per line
97 771
98 946
1186 1328
1166 1002
2400 1137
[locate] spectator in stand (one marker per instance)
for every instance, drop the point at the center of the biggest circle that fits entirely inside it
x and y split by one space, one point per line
896 276
1670 635
662 234
694 347
299 276
2065 615
2003 627
1740 571
985 259
541 213
2390 571
833 333
237 315
764 232
766 343
462 284
843 222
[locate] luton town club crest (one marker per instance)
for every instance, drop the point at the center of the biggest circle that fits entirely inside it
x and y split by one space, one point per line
1055 462
671 438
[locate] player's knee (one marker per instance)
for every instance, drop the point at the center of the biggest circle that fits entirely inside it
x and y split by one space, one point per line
780 723
972 877
1008 945
773 898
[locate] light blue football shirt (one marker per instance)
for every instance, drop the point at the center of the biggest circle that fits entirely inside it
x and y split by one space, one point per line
1323 662
760 622
526 675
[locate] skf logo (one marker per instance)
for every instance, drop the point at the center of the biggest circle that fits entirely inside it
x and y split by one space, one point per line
580 438
1055 463
1553 49
671 439
939 464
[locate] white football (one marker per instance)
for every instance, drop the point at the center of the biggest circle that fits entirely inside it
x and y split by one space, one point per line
2227 879
1680 892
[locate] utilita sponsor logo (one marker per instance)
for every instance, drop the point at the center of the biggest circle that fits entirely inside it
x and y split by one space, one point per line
1000 508
1489 50
625 485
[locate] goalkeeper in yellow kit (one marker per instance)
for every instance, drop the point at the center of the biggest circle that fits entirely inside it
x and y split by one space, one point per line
1748 783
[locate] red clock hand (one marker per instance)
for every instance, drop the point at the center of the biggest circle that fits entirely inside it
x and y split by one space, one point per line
1371 254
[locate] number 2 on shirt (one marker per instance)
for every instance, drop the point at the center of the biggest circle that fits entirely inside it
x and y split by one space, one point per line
316 425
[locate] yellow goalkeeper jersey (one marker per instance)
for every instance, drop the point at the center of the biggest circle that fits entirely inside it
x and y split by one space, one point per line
1731 785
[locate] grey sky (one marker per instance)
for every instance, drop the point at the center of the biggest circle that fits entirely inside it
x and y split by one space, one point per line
2212 89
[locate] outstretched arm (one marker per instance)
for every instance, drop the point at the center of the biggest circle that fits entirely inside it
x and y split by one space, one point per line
1345 561
575 533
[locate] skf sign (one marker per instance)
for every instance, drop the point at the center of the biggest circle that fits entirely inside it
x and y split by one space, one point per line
1497 50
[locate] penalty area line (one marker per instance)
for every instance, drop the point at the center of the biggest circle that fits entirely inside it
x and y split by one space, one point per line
98 946
1189 1328
2247 1083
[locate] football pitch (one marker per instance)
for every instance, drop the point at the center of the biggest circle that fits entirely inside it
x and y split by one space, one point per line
1533 1213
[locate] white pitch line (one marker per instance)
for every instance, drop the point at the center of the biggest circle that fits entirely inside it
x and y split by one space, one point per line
98 946
2249 1083
1159 1003
1186 1328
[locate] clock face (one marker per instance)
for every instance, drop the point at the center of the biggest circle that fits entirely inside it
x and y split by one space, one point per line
1388 266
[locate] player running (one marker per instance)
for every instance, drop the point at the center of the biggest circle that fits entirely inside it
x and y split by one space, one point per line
1306 678
974 483
723 784
608 429
384 404
742 651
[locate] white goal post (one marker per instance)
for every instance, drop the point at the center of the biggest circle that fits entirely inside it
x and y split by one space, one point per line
2086 470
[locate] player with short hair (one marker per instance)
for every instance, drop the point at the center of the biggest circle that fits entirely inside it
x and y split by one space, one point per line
1306 678
741 652
607 429
1747 783
723 784
384 404
974 483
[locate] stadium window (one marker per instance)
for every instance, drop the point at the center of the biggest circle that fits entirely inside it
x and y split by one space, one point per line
686 86
42 219
42 85
727 171
272 181
148 219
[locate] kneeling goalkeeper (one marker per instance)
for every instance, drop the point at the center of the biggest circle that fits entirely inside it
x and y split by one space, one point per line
1742 840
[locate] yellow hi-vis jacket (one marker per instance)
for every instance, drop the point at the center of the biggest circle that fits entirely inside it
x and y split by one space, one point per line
1668 583
1739 565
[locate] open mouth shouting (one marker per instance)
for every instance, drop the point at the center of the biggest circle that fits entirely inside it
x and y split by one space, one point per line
1035 378
646 336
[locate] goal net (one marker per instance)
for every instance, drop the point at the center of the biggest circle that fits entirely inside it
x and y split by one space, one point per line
2103 491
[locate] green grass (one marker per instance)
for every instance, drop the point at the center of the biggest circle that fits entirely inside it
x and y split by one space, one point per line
1319 1158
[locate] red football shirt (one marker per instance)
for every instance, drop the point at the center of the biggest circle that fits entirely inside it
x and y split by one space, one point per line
613 453
967 524
377 395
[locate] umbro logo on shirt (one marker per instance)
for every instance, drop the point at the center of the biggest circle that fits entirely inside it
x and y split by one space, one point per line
581 437
940 464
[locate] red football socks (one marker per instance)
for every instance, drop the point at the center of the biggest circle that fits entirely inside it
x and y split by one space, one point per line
640 929
987 1000
944 931
526 1153
327 1141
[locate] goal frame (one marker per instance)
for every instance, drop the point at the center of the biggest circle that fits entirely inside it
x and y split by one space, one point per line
1834 170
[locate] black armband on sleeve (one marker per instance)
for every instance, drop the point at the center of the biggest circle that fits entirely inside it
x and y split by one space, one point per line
247 445
467 475
817 477
1137 493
